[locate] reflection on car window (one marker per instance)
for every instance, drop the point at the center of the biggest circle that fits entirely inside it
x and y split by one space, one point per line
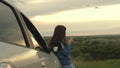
35 43
9 28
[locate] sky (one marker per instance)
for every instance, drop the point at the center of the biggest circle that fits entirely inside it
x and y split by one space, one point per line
81 17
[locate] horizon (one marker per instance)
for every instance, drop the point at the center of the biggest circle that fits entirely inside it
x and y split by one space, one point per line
88 35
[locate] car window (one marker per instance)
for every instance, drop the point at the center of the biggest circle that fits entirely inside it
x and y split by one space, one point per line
35 43
37 40
9 28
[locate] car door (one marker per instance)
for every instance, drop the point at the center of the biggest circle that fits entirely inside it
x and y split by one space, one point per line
50 60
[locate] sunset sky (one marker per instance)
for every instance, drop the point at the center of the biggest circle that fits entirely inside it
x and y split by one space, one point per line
81 17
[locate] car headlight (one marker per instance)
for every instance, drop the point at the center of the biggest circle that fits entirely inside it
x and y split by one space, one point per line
5 65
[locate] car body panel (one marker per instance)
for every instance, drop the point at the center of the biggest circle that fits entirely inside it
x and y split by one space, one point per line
21 57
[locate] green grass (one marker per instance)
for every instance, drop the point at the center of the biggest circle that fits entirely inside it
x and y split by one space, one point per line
98 64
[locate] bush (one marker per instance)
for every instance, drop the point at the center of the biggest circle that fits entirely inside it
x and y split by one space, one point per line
93 48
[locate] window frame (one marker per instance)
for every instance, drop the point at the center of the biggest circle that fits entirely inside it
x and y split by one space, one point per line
37 36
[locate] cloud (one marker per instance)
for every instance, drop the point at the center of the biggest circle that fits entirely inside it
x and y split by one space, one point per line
35 7
81 15
82 21
84 28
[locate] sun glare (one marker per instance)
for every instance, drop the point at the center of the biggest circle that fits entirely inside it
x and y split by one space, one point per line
36 1
37 19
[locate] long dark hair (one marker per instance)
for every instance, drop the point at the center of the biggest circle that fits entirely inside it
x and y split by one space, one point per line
59 34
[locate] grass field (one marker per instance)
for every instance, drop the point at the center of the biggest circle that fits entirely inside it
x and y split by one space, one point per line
98 64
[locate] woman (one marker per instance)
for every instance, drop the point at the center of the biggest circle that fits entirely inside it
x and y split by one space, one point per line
64 48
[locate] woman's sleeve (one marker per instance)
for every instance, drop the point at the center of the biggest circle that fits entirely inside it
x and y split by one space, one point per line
66 51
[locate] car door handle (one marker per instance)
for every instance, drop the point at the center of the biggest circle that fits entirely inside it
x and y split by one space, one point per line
43 64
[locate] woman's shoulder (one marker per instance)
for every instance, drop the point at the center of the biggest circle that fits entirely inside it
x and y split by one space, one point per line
57 46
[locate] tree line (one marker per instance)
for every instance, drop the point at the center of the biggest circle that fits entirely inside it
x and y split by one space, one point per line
93 48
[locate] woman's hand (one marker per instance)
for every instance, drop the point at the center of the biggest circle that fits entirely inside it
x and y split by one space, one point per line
70 40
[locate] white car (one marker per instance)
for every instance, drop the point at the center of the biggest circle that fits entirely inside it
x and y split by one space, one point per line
21 45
